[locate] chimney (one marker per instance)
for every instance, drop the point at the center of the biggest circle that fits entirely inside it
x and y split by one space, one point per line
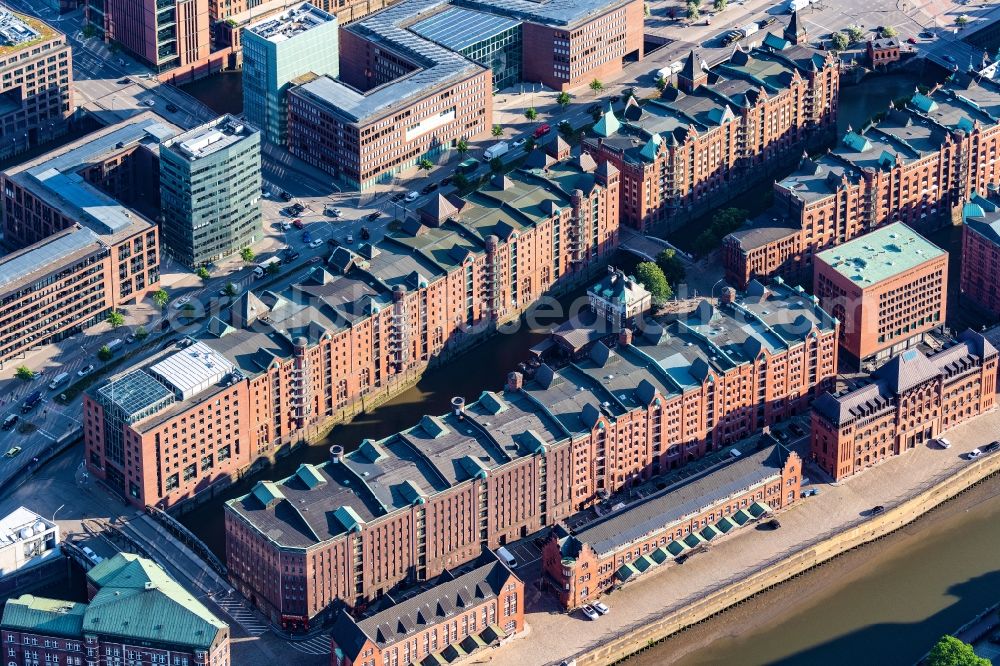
336 454
458 405
625 337
515 381
728 295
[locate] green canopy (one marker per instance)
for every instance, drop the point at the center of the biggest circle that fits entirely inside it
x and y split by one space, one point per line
741 517
434 660
692 540
659 556
643 563
625 572
709 533
758 509
724 525
675 548
453 652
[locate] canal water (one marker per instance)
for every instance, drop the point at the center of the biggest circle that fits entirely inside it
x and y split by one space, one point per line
222 92
885 603
483 367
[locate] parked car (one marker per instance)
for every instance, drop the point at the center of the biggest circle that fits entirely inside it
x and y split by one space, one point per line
774 524
285 196
991 447
84 371
129 339
285 225
877 509
10 421
517 143
589 611
811 492
682 558
334 212
412 196
973 454
601 607
172 108
943 442
298 223
428 188
349 240
796 430
541 130
307 237
374 216
365 234
291 255
926 35
446 181
398 196
12 451
316 243
181 302
911 40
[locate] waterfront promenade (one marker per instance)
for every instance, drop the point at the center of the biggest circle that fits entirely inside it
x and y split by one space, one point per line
555 636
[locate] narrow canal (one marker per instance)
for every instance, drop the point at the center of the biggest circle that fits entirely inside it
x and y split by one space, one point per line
885 603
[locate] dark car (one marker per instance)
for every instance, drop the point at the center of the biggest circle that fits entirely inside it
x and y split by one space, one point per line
30 402
991 447
926 35
774 524
333 242
766 22
796 429
172 109
365 234
398 196
446 181
10 421
291 255
878 509
539 541
307 237
614 99
297 207
681 559
124 81
428 188
285 196
374 216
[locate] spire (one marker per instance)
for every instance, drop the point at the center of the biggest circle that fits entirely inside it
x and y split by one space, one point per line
691 68
795 32
693 74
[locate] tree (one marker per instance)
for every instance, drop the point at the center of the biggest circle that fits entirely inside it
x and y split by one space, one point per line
672 266
651 277
693 12
719 5
854 33
89 30
115 319
529 144
962 21
203 273
462 146
231 289
566 129
596 86
247 255
950 651
104 353
531 113
425 164
273 268
497 131
839 41
661 83
563 100
889 31
25 373
141 333
496 165
723 222
460 180
160 298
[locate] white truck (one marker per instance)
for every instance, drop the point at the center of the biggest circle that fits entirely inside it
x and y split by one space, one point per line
749 29
796 5
496 150
261 269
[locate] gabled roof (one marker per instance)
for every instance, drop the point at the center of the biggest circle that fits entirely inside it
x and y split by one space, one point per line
608 123
51 617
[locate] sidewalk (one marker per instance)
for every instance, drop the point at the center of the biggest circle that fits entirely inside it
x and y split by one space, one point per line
557 636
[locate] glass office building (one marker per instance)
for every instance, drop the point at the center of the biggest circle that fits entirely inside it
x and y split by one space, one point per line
488 39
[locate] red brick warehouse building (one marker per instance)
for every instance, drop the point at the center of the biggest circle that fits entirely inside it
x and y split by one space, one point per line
433 496
917 165
281 366
980 277
887 288
909 401
718 129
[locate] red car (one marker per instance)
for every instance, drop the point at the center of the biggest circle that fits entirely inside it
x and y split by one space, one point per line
912 40
541 131
297 223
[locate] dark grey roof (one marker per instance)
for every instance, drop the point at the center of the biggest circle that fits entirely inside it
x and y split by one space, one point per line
548 12
766 228
439 604
458 28
906 370
688 498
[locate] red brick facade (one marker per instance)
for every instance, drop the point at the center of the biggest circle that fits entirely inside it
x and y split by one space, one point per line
911 400
980 277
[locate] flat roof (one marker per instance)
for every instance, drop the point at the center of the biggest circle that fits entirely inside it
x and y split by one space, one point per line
287 25
549 12
135 392
210 138
20 266
458 28
19 31
881 254
17 521
193 369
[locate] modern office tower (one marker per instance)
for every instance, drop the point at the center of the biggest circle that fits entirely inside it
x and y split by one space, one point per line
164 34
278 50
210 191
888 288
36 83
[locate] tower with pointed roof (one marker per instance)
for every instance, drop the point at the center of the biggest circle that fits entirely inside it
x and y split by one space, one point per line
693 75
795 31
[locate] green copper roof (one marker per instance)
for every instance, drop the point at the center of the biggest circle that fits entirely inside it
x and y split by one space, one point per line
923 102
310 476
857 142
52 617
137 600
651 148
881 254
608 124
267 492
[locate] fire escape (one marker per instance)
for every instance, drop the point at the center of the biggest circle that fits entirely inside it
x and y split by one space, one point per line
492 280
299 396
399 338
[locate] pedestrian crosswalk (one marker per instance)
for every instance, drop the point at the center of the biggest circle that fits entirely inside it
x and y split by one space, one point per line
235 607
315 645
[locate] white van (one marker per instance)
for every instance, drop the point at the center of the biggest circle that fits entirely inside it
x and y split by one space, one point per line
507 557
58 380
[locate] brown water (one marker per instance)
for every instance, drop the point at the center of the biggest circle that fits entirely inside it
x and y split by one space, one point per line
886 603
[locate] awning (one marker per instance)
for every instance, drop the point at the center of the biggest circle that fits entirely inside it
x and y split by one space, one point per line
692 540
471 643
434 660
741 517
675 548
643 563
625 572
453 652
660 555
758 509
724 525
709 533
